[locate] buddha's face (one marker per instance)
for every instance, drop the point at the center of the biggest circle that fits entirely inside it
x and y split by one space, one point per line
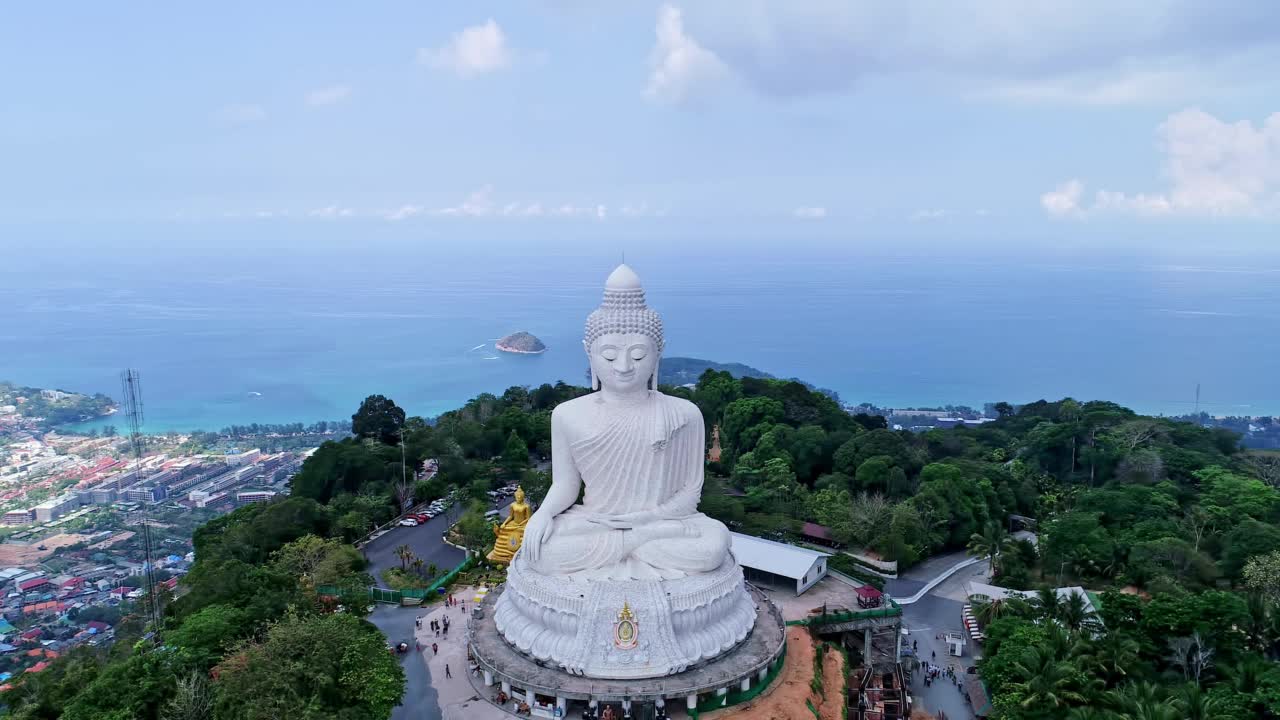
623 363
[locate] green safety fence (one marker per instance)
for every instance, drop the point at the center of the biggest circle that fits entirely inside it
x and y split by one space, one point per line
892 610
734 697
394 597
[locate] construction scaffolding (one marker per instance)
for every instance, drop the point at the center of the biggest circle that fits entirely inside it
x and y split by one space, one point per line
879 694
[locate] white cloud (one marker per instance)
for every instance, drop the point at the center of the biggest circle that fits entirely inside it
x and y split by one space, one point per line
1214 168
1090 51
241 114
928 214
404 212
1064 200
475 50
810 213
477 204
681 70
331 95
331 212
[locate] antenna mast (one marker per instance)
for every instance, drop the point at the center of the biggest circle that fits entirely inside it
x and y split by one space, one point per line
131 387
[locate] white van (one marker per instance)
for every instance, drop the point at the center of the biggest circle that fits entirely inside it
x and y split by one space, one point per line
492 515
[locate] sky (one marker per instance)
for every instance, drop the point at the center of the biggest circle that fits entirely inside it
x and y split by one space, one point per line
814 115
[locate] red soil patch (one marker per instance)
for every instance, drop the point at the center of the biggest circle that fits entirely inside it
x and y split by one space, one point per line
785 699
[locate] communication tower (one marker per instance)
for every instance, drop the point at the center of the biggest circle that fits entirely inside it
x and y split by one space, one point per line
131 394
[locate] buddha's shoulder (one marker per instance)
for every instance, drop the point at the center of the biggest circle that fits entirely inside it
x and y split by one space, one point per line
679 406
572 408
579 406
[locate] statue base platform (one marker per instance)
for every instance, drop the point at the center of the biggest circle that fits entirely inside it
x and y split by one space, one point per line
625 629
497 663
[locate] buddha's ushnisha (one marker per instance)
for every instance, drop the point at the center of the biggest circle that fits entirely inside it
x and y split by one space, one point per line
639 454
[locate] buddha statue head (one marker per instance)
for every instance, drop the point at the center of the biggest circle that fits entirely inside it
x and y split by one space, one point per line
519 495
624 337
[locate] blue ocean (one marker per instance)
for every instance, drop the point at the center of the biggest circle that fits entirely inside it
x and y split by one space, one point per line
237 326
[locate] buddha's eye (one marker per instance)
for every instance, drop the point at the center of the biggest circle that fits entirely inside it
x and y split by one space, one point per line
609 353
638 353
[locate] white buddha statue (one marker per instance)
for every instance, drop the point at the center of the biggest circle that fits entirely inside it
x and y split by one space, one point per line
639 454
637 541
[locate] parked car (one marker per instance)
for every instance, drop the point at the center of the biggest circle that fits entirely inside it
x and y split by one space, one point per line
409 522
422 518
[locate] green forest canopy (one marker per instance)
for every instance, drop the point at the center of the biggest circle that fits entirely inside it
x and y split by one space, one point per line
1165 510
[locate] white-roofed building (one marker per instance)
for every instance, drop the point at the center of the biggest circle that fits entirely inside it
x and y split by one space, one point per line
779 563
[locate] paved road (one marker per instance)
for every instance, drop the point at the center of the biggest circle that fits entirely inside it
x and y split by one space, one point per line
426 541
937 613
420 701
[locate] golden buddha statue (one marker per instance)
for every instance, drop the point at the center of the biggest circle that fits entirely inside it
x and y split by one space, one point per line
510 533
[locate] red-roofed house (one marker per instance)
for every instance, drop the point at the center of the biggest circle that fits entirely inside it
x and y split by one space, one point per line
73 583
50 606
821 534
32 634
32 584
869 597
38 667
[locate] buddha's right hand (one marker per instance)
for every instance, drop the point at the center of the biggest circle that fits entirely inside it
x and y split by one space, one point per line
536 532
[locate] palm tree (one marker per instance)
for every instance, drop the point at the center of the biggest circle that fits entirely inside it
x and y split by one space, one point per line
1245 675
1046 604
1075 612
405 553
1090 713
1196 704
990 543
1049 683
417 566
1113 655
1264 623
1143 701
988 611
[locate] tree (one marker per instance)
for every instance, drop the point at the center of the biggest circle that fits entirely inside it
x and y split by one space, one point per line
328 666
192 700
869 518
474 531
1048 683
988 611
515 457
320 561
1191 656
378 418
990 543
405 554
1113 656
1262 575
205 636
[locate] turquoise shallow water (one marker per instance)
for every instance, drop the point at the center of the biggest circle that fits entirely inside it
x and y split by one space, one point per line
266 330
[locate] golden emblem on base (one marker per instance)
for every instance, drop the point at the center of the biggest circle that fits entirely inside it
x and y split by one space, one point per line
626 632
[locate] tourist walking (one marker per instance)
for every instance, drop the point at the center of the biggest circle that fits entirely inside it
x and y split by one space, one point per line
435 649
446 671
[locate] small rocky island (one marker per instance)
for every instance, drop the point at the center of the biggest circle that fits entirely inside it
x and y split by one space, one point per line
521 343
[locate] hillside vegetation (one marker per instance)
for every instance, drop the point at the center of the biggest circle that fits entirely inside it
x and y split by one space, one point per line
1174 514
